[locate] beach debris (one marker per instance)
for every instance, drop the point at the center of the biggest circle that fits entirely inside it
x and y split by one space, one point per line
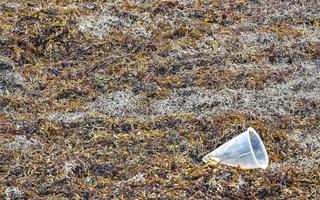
246 151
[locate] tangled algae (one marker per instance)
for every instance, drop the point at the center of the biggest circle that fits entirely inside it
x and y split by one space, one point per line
121 100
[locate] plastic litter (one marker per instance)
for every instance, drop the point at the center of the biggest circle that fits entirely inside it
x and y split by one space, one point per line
246 151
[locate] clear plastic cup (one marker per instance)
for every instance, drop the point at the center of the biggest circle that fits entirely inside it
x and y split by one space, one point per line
245 151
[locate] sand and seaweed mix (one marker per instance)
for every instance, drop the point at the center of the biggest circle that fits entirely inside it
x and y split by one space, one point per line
122 99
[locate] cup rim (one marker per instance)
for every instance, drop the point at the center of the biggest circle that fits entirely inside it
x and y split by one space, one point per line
251 130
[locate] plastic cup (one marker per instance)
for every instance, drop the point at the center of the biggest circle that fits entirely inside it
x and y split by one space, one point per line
245 151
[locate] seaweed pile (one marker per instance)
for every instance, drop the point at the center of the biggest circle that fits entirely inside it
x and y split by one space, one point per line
122 99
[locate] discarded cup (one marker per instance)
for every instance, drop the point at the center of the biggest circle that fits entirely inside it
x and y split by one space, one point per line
245 150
